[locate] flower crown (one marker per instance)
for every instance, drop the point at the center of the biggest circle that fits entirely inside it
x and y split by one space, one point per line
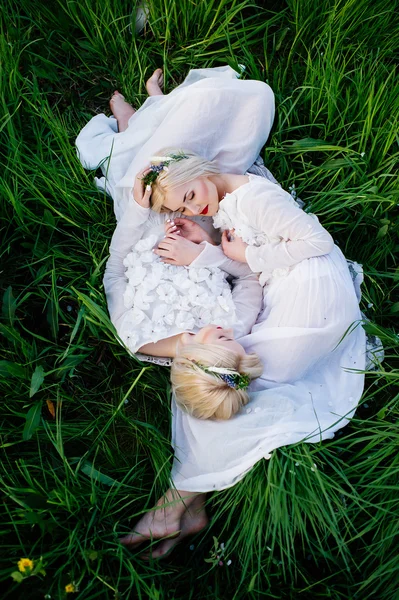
161 163
233 379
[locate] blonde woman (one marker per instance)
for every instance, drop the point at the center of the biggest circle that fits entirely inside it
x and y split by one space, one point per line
227 121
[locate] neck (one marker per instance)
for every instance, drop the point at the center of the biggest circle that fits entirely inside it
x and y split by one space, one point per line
226 183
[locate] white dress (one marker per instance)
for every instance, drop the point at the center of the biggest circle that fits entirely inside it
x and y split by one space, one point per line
228 120
309 338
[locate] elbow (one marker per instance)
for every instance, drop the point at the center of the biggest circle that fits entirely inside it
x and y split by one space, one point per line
324 243
329 244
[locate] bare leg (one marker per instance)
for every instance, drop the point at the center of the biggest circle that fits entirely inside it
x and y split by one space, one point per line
164 520
194 519
121 110
155 83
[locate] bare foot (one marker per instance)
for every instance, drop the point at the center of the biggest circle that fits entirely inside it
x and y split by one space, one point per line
121 110
192 522
155 83
163 521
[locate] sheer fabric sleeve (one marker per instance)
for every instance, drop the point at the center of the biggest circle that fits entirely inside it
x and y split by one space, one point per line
295 235
128 231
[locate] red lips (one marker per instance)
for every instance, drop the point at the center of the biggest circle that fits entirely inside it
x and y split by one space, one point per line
205 211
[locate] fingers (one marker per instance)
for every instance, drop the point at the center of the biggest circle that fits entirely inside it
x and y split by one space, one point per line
182 222
170 227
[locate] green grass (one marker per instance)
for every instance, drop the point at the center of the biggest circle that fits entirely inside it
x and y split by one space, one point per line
72 482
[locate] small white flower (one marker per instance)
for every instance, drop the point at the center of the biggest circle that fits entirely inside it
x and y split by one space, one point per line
146 244
199 275
202 316
362 154
184 320
224 305
128 297
143 300
370 305
160 159
182 280
163 314
167 293
136 275
148 257
135 316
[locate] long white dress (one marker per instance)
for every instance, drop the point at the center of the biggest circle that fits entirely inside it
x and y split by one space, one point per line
228 120
309 338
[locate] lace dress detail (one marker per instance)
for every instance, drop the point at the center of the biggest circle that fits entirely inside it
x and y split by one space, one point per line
164 300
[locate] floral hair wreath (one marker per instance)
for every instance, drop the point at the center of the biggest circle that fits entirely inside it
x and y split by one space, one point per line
233 379
161 163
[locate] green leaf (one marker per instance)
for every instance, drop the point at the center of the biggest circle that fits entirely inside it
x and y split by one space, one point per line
252 583
381 413
382 231
32 421
10 369
52 317
9 305
17 576
88 469
36 381
395 307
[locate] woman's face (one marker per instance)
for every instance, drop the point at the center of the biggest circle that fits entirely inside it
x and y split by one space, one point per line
198 197
213 334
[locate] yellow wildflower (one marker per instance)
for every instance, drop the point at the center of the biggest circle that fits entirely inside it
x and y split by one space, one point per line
70 588
25 564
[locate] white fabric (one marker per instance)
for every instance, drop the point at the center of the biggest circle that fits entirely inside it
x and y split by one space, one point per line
229 120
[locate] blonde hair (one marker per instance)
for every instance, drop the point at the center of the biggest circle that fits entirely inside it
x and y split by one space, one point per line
205 395
178 172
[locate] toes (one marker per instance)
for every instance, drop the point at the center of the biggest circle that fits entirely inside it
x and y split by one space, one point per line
164 548
132 539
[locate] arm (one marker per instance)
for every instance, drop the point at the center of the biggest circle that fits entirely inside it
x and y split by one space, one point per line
300 236
127 233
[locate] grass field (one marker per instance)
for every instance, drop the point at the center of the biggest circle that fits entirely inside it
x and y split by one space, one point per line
84 428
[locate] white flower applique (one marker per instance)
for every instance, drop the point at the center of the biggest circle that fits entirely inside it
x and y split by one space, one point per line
142 299
167 293
163 314
184 320
136 275
128 296
146 244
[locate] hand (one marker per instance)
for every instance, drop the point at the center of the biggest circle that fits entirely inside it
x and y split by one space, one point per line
192 231
175 250
142 193
233 246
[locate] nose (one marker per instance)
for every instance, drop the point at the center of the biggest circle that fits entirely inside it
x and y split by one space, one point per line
194 207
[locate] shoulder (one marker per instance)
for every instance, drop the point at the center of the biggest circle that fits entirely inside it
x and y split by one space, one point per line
261 193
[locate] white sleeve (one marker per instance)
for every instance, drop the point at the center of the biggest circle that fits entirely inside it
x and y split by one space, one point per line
127 233
247 296
298 235
213 256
